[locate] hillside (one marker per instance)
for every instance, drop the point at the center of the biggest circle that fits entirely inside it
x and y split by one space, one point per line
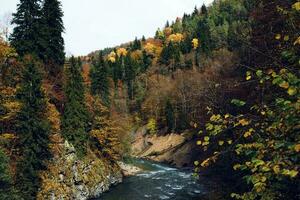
215 91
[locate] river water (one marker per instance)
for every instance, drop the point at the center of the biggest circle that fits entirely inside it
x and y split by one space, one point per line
157 182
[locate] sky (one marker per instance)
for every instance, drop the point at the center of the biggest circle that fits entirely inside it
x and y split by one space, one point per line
96 24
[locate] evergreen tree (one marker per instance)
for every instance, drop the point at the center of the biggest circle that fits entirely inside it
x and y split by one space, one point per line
99 79
203 10
130 73
137 45
26 35
204 35
5 178
169 113
33 129
196 11
167 24
146 61
74 122
53 54
143 39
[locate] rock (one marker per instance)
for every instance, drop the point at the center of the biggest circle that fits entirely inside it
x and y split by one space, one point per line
71 178
129 170
174 149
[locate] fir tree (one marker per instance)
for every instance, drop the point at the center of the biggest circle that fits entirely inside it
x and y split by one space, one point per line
74 122
26 35
167 24
53 54
5 178
196 11
99 79
204 35
203 10
33 129
143 39
130 73
169 113
137 45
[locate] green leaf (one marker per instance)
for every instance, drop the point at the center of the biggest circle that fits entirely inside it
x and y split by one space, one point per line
238 102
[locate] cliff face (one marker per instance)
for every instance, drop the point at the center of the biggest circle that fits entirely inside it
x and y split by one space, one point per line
173 149
68 177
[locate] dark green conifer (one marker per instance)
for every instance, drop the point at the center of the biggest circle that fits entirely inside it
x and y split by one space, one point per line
33 129
169 113
99 79
74 122
26 35
53 54
137 45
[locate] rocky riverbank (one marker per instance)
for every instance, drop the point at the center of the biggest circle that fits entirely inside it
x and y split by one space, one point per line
71 178
178 150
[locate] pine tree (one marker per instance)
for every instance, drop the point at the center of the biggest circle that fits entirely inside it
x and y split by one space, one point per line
196 11
204 35
74 122
5 178
203 10
130 73
26 35
169 113
143 39
137 45
99 79
53 54
33 129
167 24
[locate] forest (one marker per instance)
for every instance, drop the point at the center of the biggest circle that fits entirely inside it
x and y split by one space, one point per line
216 90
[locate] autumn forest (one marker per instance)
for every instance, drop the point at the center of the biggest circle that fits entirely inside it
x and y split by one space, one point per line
206 109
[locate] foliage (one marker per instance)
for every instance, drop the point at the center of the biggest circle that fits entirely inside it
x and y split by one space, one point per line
152 126
53 43
74 121
105 132
26 37
99 79
264 133
33 131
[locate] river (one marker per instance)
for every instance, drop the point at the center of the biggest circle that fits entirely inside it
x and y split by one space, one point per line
157 182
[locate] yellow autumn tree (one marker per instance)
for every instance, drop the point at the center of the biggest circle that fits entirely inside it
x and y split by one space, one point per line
176 38
122 52
112 57
195 43
105 132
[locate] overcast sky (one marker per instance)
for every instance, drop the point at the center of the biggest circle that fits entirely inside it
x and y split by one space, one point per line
95 24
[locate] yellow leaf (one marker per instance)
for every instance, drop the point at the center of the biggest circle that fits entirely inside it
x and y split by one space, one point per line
286 38
226 116
206 138
229 141
243 122
277 36
297 147
221 142
292 91
296 6
247 134
199 142
276 169
248 78
235 167
297 41
196 163
284 85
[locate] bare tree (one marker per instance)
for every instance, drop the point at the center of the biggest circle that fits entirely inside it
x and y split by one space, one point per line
5 25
